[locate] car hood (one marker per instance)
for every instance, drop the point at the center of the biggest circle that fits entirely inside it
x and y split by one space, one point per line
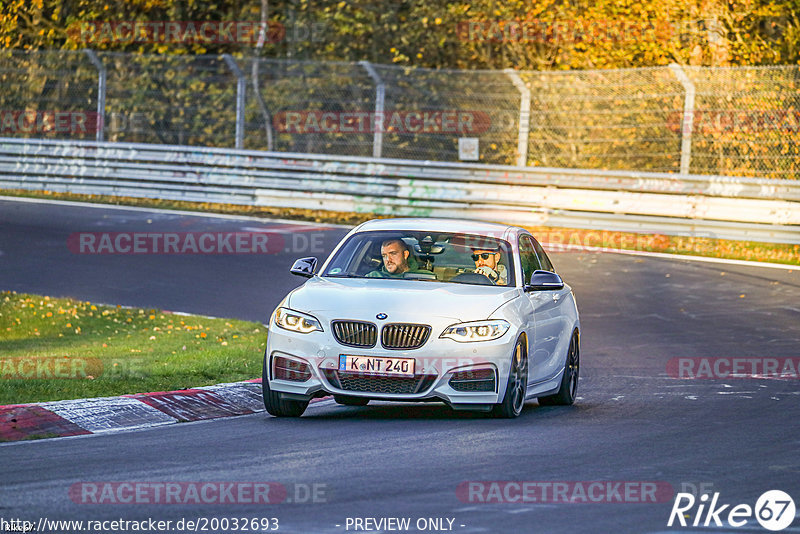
399 299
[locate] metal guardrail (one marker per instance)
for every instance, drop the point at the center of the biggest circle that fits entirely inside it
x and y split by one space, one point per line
708 206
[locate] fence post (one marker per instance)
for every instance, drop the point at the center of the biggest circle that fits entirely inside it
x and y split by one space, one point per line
380 95
101 93
687 125
524 116
241 87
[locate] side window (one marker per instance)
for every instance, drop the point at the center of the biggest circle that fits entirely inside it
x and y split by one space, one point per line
528 258
546 264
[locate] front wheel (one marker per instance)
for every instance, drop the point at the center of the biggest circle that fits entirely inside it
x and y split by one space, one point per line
569 382
514 399
273 402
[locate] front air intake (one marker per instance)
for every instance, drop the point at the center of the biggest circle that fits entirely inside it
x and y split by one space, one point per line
473 380
286 369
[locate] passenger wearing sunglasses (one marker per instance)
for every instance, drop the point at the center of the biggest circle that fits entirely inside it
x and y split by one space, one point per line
487 263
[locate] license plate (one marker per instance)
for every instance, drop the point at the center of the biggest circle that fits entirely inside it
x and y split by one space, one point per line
376 365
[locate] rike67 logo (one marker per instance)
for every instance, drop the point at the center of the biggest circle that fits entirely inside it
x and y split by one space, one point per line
774 510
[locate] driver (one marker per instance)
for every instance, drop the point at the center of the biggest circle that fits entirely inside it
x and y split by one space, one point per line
397 260
487 263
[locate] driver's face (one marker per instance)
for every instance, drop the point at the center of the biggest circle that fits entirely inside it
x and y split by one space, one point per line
395 258
487 258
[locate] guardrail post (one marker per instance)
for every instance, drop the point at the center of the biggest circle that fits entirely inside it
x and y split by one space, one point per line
380 95
241 87
524 116
101 93
687 125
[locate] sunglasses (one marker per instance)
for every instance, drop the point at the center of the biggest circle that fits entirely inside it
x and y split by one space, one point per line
484 255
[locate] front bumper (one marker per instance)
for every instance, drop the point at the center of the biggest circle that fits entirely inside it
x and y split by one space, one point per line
436 363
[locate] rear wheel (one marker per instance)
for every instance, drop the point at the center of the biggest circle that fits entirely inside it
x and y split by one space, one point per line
514 399
347 400
273 402
569 382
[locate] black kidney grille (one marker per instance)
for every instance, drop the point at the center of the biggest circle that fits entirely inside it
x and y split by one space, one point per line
404 336
355 333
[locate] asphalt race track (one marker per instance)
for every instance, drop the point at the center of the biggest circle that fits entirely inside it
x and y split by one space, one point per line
632 423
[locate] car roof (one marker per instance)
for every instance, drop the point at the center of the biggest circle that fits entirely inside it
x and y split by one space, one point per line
439 225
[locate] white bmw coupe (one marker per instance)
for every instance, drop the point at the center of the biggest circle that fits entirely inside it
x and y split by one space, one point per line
467 313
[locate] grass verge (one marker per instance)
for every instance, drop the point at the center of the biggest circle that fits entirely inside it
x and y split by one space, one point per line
698 246
60 348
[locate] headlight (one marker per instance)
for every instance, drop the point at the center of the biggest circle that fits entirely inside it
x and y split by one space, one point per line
296 321
476 330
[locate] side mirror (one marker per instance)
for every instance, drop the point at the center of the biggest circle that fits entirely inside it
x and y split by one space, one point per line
304 267
544 281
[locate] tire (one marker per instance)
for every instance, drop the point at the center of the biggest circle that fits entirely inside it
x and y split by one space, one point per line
273 402
347 400
569 382
514 398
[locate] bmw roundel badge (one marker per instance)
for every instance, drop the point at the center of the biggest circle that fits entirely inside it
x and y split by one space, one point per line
381 316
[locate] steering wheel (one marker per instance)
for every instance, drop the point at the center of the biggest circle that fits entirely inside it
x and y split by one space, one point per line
473 278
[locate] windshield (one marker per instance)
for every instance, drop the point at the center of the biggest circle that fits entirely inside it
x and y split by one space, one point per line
431 256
